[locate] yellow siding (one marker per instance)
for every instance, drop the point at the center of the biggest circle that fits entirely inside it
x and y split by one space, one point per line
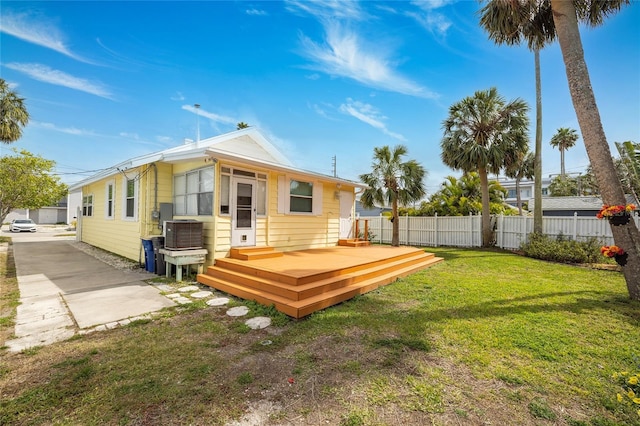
300 231
282 231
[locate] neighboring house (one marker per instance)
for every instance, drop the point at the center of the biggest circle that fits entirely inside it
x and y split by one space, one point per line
238 184
568 206
49 215
374 211
526 190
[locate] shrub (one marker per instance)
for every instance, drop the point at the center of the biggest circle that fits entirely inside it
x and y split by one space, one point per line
562 249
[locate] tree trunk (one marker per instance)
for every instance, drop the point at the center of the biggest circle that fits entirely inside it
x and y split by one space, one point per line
537 172
487 232
518 198
395 225
627 236
562 162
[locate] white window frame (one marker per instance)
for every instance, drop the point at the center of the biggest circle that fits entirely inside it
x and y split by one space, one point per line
183 210
110 215
226 173
125 198
87 205
284 195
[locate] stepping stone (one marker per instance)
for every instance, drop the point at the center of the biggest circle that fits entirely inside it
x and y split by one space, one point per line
258 323
174 295
164 287
183 300
201 294
188 288
238 311
218 301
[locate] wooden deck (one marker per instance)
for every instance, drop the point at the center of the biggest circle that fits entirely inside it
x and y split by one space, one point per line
301 282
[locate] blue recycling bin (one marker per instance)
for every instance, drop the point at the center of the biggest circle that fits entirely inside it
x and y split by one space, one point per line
149 258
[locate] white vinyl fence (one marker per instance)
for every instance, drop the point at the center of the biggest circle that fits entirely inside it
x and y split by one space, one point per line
466 231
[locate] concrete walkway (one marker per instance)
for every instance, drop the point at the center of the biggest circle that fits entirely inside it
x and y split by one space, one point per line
64 290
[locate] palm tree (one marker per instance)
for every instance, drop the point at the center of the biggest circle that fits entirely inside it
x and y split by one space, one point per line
510 25
393 181
462 197
559 18
481 133
564 139
13 114
241 125
524 168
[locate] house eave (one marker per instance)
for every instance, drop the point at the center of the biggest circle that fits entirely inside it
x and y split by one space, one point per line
217 155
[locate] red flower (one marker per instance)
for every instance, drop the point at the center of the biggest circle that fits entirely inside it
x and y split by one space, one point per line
609 211
611 251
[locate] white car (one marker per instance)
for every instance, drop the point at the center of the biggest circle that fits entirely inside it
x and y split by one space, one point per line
19 225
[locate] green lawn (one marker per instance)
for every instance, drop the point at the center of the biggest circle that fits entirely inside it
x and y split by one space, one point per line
486 337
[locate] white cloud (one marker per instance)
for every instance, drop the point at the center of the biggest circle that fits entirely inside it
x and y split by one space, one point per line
370 115
256 12
326 10
432 20
210 115
33 30
345 55
178 97
67 130
48 75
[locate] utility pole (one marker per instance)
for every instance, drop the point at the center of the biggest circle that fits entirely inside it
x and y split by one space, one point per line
197 107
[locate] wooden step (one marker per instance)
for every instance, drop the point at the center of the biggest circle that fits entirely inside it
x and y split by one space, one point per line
314 287
354 242
251 253
282 277
308 305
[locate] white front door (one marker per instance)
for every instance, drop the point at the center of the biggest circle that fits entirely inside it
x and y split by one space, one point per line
346 214
243 208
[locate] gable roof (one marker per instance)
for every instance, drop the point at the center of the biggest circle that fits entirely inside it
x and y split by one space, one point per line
248 146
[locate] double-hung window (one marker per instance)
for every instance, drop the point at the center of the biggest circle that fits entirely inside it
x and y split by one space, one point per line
130 199
193 193
110 193
87 205
300 196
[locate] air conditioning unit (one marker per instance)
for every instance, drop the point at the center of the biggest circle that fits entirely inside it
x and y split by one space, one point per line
183 234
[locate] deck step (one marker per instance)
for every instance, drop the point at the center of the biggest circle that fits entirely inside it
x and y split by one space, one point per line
298 296
250 253
354 242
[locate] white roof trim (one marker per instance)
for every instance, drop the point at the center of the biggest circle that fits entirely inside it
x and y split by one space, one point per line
229 156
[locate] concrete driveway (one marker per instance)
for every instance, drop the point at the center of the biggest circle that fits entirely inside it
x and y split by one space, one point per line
64 290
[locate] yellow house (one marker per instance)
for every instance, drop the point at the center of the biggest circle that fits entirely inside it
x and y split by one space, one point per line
243 190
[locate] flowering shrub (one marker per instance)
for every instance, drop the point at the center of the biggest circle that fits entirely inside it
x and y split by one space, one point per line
630 384
611 251
608 211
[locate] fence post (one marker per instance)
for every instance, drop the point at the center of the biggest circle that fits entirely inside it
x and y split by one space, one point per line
575 226
435 226
501 231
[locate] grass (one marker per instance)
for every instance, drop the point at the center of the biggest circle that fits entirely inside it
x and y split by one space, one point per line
486 337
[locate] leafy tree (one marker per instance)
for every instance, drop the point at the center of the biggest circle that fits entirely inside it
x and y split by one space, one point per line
523 168
483 133
13 114
563 186
394 182
564 139
25 183
463 196
559 18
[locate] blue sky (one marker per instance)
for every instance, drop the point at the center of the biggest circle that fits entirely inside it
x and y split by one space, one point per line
106 81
